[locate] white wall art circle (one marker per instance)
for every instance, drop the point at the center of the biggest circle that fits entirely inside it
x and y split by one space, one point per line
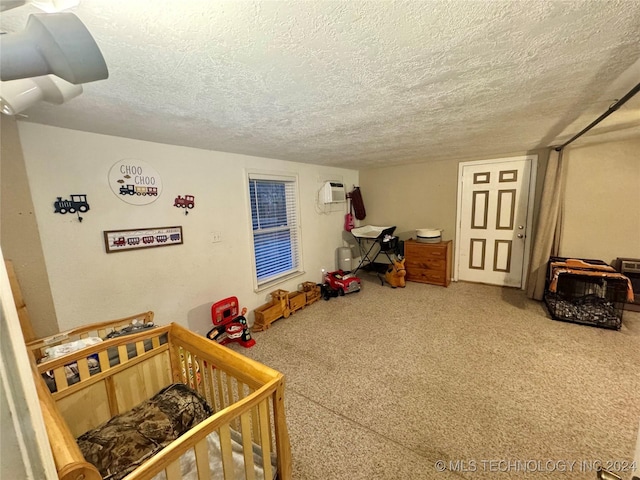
135 182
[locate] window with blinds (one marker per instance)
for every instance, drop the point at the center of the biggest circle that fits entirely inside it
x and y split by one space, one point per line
275 226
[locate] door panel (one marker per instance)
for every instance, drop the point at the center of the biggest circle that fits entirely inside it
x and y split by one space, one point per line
493 221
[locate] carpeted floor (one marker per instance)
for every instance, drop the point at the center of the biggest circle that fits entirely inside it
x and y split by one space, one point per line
384 384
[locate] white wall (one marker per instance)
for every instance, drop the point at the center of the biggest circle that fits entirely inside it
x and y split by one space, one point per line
23 249
413 196
601 217
423 195
178 282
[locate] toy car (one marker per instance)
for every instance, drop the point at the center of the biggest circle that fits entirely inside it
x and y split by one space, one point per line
342 283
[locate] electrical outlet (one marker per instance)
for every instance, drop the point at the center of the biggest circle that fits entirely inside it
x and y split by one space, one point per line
216 237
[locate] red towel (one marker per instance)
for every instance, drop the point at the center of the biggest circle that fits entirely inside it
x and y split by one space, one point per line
358 203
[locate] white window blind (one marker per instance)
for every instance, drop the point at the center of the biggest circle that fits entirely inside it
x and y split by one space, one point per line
275 226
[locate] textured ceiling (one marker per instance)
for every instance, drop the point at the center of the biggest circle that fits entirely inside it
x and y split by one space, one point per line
355 84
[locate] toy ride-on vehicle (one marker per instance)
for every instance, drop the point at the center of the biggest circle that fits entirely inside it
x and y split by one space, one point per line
342 282
228 325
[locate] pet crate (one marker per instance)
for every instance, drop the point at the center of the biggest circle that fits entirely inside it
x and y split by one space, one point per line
580 297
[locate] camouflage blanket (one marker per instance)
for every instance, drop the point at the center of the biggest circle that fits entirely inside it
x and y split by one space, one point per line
120 445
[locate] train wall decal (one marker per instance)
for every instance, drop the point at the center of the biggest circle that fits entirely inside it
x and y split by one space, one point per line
77 203
122 240
188 201
147 239
138 190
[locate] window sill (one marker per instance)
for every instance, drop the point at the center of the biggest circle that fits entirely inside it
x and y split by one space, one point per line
278 281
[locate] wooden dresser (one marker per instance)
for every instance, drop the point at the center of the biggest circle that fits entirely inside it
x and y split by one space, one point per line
428 262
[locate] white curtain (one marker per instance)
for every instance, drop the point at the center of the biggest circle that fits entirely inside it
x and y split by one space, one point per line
549 228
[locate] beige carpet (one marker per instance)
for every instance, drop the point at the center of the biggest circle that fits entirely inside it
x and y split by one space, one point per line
384 383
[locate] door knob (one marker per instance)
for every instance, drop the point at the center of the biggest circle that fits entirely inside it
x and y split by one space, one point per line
520 235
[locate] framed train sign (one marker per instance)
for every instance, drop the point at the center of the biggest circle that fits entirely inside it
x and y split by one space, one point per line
121 240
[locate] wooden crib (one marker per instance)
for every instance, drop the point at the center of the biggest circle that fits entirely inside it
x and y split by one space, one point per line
247 399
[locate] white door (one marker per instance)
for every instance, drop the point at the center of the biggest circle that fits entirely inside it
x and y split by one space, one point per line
494 218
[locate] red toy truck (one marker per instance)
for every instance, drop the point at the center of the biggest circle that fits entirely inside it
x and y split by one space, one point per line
342 283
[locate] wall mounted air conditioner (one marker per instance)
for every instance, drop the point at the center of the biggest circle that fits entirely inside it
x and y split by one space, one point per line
333 192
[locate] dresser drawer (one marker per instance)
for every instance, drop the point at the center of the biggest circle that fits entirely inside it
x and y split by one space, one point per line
427 276
426 251
425 263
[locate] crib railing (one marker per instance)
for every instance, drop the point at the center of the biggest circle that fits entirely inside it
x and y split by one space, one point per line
113 356
101 329
69 461
246 396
